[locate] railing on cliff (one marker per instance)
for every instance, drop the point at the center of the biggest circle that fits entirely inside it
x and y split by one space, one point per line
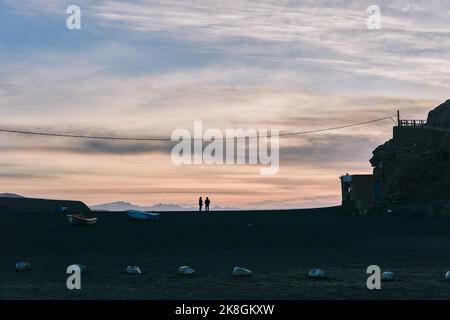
421 124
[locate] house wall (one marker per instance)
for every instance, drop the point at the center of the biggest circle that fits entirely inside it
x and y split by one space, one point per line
361 196
362 188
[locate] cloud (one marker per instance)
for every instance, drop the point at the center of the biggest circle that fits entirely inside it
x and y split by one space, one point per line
334 149
308 37
93 146
7 175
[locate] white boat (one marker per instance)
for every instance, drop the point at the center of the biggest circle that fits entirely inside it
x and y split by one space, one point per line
143 215
79 219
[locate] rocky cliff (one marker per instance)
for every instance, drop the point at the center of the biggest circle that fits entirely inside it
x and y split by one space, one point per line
414 166
440 116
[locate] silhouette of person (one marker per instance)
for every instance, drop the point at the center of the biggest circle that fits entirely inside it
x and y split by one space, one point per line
200 204
207 202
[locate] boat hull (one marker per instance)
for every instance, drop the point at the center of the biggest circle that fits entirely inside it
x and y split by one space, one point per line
81 220
143 215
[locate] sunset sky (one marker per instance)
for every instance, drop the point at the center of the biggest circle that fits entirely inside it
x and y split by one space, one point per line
145 68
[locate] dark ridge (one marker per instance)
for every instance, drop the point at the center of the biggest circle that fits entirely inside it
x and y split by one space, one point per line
30 205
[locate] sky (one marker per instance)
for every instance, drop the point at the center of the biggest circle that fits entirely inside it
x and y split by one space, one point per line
145 68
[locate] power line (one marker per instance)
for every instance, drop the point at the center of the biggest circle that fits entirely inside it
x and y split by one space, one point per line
79 136
334 128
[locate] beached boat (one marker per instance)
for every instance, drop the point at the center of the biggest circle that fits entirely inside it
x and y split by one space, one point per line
80 219
143 215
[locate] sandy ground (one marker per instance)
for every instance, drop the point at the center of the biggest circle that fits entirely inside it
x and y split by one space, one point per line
279 246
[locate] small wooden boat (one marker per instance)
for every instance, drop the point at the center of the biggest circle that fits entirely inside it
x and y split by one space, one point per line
143 215
79 219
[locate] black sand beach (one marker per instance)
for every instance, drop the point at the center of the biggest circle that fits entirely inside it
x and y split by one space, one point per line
279 246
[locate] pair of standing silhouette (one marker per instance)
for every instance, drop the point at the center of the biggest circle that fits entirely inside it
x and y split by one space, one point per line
200 204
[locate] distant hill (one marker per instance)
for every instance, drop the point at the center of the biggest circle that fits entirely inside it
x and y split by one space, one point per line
219 208
10 195
124 206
